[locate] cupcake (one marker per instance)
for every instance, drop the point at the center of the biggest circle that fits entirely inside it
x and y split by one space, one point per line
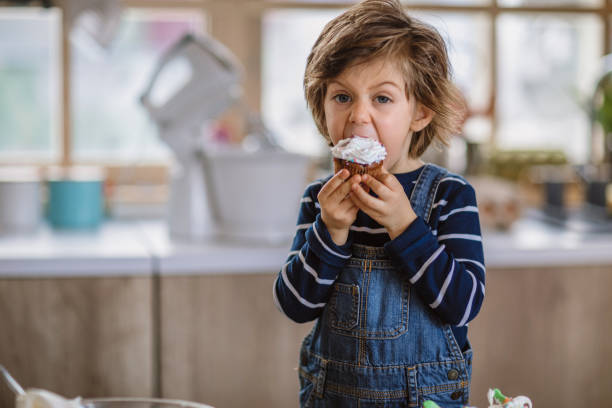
359 155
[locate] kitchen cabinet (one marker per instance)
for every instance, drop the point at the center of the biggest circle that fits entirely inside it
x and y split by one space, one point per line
224 343
545 333
542 332
129 312
77 336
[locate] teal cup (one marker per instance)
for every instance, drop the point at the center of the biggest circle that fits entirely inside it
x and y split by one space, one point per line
75 201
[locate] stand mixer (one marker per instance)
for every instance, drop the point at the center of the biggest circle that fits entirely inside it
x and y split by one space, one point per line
194 83
241 192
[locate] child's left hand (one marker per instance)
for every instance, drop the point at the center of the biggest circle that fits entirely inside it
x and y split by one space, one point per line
391 208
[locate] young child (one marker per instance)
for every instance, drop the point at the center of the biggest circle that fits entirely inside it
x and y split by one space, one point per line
395 275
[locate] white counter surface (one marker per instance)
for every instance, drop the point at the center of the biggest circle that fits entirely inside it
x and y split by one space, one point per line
533 243
113 249
144 248
176 257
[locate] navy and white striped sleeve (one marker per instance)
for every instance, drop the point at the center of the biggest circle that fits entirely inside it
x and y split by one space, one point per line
304 283
446 267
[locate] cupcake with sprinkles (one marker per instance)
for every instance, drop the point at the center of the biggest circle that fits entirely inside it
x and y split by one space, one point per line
359 155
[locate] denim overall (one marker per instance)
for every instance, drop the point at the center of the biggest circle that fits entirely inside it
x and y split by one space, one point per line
376 343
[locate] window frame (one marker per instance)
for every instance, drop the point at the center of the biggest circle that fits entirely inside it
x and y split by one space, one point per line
237 24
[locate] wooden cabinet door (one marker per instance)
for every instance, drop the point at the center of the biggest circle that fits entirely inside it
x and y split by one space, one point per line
224 343
89 337
545 333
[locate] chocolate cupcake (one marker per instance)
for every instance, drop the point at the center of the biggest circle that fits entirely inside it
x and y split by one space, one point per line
359 155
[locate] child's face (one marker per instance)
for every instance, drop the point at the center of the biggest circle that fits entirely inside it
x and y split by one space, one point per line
369 100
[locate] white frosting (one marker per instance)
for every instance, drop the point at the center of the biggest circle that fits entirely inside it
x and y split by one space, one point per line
35 398
359 149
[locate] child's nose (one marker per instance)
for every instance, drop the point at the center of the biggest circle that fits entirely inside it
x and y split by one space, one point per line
359 113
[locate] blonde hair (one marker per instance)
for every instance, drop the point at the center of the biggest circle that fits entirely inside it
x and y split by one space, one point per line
381 28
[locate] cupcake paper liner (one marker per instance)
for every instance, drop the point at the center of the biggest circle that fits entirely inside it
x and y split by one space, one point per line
374 169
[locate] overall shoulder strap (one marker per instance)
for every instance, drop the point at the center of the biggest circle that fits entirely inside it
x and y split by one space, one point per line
424 191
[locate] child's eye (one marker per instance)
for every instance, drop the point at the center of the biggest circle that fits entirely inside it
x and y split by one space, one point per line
342 98
383 99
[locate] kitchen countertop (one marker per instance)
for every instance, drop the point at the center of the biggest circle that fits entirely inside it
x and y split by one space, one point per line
132 248
113 249
535 241
128 248
175 257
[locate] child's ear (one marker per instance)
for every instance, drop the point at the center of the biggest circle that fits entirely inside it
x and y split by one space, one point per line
422 117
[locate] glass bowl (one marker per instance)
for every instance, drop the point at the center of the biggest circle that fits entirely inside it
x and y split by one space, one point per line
139 403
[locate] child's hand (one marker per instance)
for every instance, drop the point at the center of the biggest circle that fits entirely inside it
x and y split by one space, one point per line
391 208
338 211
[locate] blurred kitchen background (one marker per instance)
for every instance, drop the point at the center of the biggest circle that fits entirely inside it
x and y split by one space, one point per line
137 137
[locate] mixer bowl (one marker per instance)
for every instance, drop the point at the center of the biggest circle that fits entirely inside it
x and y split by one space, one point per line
255 197
139 403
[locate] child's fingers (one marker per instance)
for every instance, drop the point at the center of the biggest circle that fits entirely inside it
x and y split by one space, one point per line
348 206
333 184
360 204
344 189
364 200
378 187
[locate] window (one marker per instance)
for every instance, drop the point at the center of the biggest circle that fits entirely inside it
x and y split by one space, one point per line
29 84
547 68
468 45
526 68
108 122
526 74
287 37
552 5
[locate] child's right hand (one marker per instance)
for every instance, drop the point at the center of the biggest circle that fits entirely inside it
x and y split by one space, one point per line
338 211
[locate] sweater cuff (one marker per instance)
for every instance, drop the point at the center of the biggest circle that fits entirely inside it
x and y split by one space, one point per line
324 247
411 243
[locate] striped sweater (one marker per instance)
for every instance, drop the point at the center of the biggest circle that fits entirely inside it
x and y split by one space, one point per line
442 259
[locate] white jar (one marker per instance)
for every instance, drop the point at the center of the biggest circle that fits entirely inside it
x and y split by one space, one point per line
20 199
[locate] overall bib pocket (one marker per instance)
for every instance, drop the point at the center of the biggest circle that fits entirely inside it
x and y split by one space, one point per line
370 299
386 310
344 306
